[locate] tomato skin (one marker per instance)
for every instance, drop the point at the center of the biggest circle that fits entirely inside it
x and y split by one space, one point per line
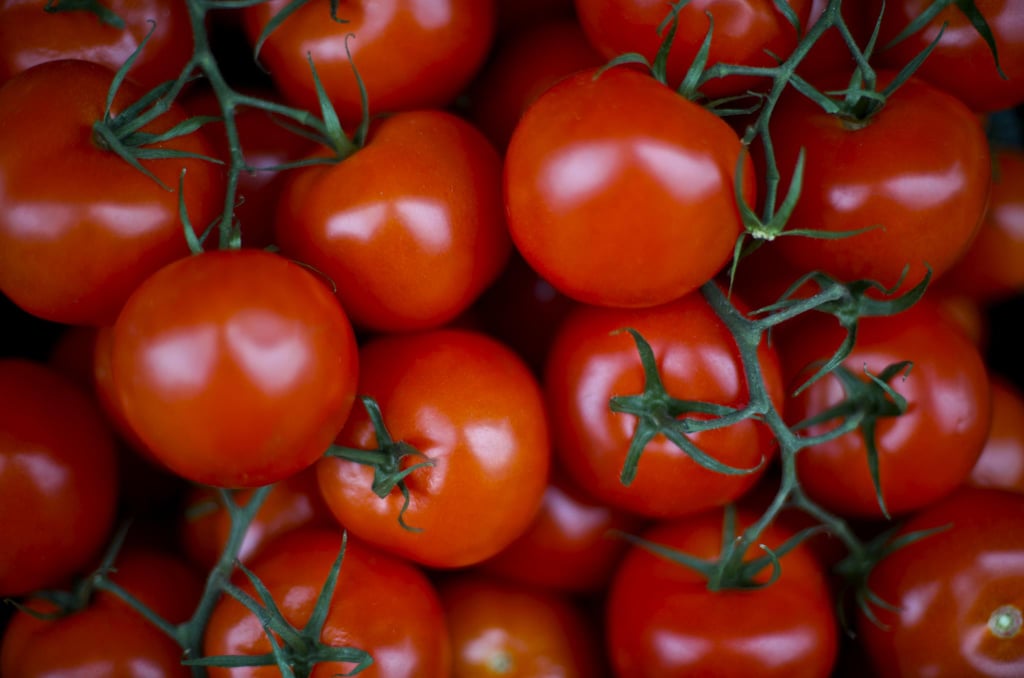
410 228
471 405
924 201
29 36
961 63
501 628
235 368
382 605
410 53
589 362
101 223
107 637
58 474
1001 462
662 620
947 585
592 158
923 454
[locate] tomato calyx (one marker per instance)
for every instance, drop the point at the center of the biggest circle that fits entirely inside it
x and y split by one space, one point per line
387 460
295 651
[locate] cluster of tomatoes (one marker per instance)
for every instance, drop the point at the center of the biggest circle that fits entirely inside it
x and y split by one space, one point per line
480 337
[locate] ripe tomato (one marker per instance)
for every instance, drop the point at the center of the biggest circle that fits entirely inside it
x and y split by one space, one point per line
501 628
590 362
924 453
921 201
474 409
107 637
409 229
409 53
1001 463
619 192
662 619
235 368
382 605
957 594
30 35
962 63
58 478
75 245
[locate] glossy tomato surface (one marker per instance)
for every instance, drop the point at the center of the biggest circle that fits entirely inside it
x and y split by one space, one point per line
619 192
235 368
1001 462
80 228
471 407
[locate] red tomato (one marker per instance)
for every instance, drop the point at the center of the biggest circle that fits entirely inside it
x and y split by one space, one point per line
58 478
1001 463
409 229
409 53
108 638
662 620
500 628
962 63
75 245
30 35
958 594
473 408
992 269
619 192
235 368
589 363
923 454
745 32
570 546
290 504
922 201
382 605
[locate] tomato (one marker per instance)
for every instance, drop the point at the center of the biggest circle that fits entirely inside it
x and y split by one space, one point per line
31 35
107 637
589 363
523 65
409 53
80 228
662 619
571 544
235 368
471 407
962 63
382 605
924 453
58 476
957 594
748 32
922 202
992 269
409 229
500 628
619 192
291 503
1001 463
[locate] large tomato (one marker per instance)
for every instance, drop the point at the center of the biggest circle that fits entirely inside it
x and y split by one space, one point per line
80 228
589 363
58 478
382 605
409 53
924 453
953 599
921 202
235 368
470 406
619 191
410 229
662 620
